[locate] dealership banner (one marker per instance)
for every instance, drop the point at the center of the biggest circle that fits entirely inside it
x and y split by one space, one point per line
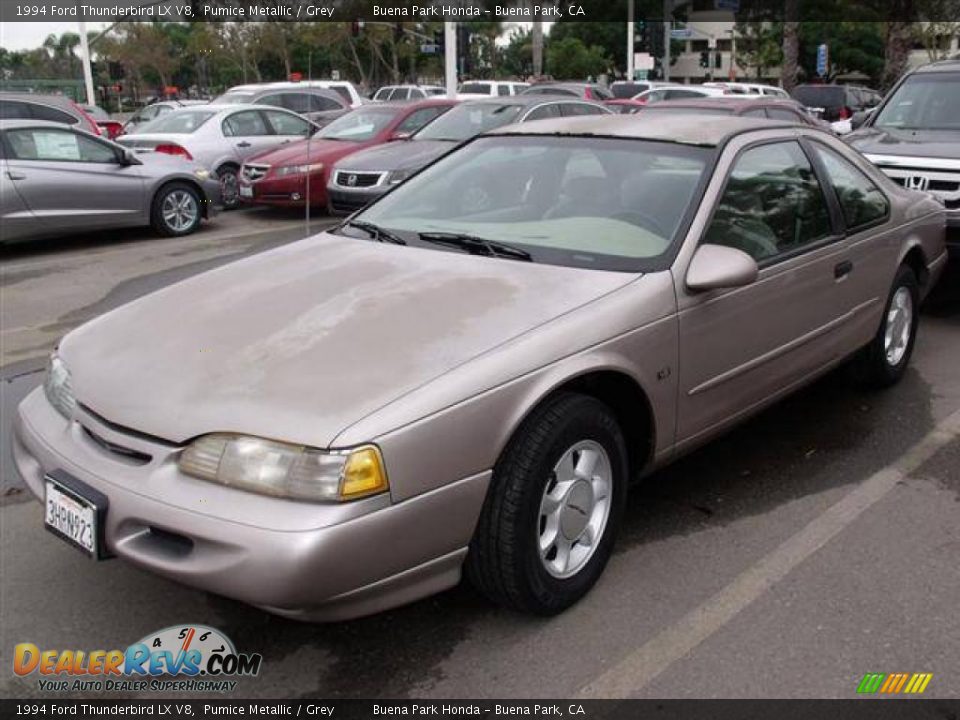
175 709
453 10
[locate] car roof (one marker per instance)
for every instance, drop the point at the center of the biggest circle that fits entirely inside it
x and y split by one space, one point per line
691 130
950 65
13 124
526 100
58 100
733 102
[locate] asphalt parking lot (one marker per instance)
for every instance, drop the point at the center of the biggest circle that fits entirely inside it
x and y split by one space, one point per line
816 543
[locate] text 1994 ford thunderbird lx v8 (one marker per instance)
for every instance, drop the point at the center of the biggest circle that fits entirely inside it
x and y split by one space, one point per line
465 375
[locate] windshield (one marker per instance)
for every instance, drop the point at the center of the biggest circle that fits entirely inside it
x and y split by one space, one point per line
465 121
233 98
359 125
601 203
476 88
924 102
182 122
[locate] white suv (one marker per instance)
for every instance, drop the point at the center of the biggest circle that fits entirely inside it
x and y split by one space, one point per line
490 88
344 88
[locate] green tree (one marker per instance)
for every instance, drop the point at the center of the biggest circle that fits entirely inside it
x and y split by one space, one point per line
611 36
569 58
759 47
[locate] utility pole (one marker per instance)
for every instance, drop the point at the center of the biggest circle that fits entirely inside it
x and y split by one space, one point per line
630 40
536 44
87 67
450 57
666 40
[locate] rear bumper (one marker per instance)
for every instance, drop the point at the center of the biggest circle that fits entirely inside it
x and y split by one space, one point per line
307 561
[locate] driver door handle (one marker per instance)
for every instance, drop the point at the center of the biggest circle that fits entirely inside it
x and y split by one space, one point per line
841 270
243 144
15 175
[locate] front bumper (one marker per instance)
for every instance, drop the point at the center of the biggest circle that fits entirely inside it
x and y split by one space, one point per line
289 191
953 234
303 560
345 202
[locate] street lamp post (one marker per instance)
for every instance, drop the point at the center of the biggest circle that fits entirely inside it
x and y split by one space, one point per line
630 40
87 68
450 57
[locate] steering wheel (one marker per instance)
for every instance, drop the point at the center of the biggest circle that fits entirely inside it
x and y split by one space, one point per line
638 218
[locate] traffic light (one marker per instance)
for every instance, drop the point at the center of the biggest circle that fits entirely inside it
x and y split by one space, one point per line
705 59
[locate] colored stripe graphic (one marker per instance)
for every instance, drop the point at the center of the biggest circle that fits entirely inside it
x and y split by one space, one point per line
871 682
894 683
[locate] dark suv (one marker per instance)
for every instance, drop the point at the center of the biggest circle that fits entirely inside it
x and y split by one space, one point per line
914 137
835 102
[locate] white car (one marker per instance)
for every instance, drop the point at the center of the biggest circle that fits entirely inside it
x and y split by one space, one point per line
220 138
677 92
741 88
490 88
403 93
344 88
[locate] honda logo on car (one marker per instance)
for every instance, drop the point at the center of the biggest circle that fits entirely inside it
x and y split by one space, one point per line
180 650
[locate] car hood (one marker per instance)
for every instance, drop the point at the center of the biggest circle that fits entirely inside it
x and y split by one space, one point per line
400 155
296 152
300 342
913 143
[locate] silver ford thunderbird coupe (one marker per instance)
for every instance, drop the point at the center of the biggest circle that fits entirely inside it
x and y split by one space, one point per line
464 377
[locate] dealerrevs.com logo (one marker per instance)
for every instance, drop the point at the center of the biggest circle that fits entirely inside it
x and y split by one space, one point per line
188 658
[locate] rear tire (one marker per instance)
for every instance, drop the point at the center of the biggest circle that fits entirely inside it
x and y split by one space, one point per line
884 361
229 177
551 515
176 210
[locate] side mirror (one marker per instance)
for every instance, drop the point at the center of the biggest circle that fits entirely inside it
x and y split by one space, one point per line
400 136
859 118
717 266
129 157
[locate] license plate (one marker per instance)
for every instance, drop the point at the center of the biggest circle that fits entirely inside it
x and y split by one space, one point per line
246 191
73 517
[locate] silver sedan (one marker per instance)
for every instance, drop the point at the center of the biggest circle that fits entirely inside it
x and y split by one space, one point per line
220 138
55 179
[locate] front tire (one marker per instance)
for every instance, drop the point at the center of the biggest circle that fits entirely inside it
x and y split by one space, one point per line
884 361
553 508
229 177
176 210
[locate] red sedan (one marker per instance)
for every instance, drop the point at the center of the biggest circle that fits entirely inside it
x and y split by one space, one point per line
279 177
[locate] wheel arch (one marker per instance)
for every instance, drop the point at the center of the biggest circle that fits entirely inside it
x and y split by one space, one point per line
181 180
622 393
915 258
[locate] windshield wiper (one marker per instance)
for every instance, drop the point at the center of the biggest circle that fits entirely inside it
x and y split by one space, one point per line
477 245
376 232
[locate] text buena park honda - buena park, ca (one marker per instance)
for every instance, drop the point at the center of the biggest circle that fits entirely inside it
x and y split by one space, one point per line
470 11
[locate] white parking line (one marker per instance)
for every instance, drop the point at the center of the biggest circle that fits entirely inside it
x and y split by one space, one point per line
648 661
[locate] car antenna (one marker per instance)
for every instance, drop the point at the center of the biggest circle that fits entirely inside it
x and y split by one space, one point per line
309 136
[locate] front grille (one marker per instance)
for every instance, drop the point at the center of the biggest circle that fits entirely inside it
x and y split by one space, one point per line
134 456
345 204
348 178
252 173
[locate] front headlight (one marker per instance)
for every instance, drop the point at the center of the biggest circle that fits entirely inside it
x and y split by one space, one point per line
293 471
58 388
299 169
398 176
